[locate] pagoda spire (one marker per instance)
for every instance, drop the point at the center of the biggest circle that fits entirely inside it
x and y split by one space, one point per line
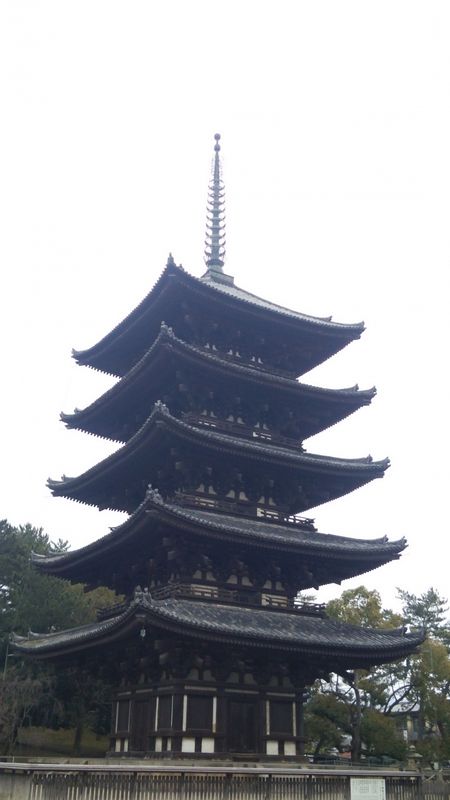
215 221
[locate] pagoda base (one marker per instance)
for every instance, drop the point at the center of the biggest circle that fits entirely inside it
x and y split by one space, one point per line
223 705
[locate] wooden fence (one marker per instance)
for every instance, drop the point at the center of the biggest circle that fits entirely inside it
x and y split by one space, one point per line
141 782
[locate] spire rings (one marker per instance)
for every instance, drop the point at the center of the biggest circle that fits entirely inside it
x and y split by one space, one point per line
215 215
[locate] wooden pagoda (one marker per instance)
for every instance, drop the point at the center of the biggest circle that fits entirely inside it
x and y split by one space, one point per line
210 650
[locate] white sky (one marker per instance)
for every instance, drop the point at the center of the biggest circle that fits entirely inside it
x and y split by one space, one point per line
335 124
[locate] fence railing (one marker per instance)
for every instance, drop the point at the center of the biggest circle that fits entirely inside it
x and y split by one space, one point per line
142 782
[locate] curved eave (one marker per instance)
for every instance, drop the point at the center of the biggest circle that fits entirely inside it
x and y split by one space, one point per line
358 471
99 356
94 418
243 531
310 636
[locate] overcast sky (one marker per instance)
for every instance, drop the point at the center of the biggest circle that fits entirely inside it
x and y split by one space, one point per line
335 124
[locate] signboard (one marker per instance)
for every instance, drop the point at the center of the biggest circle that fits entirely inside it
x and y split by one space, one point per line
367 789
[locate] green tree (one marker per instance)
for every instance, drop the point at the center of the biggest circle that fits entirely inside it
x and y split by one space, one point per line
427 611
30 600
41 603
355 694
426 674
325 723
19 693
381 735
362 607
418 686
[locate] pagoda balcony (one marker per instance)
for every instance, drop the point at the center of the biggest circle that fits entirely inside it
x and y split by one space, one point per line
242 508
254 362
257 600
240 429
202 592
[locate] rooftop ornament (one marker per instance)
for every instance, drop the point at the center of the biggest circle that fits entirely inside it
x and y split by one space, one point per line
215 222
153 494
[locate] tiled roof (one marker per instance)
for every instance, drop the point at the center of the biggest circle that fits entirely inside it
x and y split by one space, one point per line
341 401
210 288
285 534
224 441
231 290
245 530
254 627
356 471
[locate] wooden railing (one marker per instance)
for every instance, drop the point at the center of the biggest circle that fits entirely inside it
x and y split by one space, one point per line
240 429
241 508
262 600
235 597
160 782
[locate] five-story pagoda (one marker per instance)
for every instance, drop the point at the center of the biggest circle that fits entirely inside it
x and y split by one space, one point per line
210 651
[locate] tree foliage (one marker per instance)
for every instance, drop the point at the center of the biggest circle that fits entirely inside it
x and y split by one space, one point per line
362 607
367 708
41 603
33 601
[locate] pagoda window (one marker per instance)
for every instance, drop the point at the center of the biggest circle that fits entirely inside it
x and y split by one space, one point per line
231 494
199 715
143 714
281 717
242 725
123 716
243 496
165 710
